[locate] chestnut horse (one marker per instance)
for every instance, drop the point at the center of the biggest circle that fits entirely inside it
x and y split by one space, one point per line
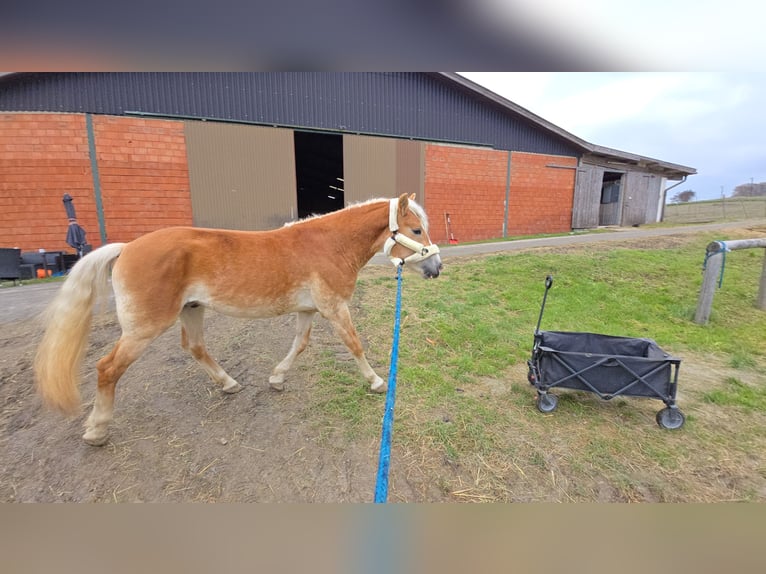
308 266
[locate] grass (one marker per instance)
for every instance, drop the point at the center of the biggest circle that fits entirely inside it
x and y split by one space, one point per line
466 418
6 283
738 394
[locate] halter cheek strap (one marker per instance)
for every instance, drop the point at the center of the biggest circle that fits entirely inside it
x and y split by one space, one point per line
421 251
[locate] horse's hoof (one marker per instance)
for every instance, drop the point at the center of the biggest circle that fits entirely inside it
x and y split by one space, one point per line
379 386
231 389
277 382
95 440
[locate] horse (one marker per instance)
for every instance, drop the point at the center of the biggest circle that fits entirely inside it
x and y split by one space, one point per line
309 266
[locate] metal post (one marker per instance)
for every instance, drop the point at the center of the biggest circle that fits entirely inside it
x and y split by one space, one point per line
507 196
96 177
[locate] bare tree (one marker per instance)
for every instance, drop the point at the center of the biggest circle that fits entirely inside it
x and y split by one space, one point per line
750 190
683 196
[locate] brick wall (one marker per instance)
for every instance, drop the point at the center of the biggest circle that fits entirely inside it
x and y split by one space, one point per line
469 184
541 196
42 157
142 169
144 175
144 180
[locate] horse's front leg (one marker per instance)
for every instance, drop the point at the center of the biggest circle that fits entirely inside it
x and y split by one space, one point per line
340 319
302 332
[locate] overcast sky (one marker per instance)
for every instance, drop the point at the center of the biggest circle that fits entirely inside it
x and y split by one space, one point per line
713 122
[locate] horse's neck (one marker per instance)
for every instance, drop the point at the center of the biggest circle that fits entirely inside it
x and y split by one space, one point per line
358 233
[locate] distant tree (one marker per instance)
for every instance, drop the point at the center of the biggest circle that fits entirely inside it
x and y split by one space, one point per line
683 196
750 190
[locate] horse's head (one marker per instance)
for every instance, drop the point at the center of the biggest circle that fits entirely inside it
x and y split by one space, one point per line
409 241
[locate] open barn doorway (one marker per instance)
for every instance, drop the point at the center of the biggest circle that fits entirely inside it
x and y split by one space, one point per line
610 210
318 172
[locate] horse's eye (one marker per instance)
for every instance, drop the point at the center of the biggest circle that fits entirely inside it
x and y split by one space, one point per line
416 231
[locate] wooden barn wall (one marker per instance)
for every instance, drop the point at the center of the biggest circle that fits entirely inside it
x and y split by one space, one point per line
381 167
635 197
242 176
369 168
610 213
653 193
410 168
587 197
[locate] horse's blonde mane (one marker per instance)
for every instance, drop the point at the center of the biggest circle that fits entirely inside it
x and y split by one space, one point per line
414 206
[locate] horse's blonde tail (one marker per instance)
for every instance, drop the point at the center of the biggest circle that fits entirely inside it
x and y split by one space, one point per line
67 322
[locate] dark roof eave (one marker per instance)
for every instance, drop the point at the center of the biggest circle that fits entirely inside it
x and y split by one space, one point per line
517 109
586 147
671 170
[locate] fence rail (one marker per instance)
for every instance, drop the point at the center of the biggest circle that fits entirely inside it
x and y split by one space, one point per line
723 209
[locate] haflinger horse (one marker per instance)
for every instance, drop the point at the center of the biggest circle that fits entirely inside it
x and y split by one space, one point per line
306 267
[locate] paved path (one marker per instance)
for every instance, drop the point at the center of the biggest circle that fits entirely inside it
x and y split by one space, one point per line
619 234
25 301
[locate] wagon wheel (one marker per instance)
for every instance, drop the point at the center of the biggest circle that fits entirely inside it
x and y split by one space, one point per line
531 376
670 418
547 402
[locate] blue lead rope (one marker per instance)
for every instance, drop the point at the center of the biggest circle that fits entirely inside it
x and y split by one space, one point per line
384 460
724 248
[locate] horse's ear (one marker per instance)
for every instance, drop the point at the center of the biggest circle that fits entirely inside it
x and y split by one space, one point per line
403 204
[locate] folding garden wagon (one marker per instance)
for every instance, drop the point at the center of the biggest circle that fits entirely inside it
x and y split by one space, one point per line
605 365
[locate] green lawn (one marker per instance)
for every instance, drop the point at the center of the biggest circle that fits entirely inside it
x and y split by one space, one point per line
465 416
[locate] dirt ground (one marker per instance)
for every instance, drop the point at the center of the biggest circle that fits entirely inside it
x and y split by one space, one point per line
175 436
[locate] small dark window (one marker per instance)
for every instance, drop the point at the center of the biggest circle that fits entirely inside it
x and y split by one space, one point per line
610 192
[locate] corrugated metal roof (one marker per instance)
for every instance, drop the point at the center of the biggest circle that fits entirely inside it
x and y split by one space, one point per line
433 106
408 105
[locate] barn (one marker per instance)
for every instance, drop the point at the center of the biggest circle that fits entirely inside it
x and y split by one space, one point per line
253 150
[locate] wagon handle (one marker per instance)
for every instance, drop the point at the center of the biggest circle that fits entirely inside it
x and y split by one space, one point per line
548 285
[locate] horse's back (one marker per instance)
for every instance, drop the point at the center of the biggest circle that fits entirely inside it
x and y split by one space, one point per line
244 273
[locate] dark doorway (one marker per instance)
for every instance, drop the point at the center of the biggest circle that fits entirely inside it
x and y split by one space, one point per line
319 172
611 189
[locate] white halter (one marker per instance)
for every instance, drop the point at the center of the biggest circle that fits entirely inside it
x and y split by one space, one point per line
421 251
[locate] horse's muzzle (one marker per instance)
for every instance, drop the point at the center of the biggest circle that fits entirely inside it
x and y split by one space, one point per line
431 267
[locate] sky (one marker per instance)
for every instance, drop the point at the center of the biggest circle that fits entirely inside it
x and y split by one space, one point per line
714 122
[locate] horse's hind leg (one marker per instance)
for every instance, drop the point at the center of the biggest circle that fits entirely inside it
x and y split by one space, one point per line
303 330
192 340
110 369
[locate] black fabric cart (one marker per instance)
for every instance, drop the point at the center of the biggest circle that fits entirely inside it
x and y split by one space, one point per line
605 365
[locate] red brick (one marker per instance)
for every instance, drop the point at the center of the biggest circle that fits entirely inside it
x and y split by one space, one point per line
470 185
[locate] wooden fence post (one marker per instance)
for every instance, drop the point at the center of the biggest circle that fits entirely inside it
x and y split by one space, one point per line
761 301
709 284
715 253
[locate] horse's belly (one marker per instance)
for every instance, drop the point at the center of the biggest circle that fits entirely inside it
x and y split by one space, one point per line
254 309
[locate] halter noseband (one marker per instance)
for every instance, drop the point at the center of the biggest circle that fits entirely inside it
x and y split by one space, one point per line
421 251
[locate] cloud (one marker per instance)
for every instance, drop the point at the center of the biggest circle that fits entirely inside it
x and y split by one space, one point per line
713 122
701 35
